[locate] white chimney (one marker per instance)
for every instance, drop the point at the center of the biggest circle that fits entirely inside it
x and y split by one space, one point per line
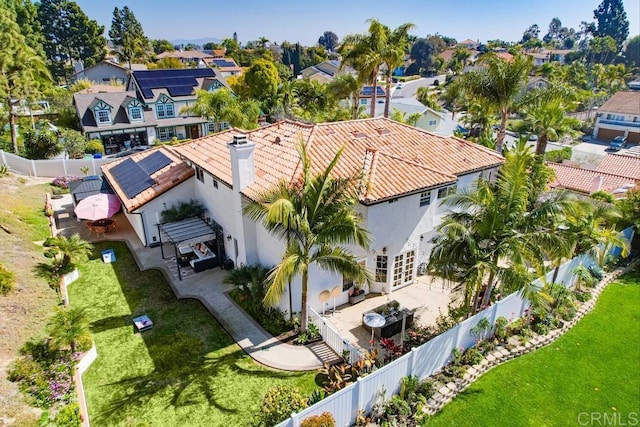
242 166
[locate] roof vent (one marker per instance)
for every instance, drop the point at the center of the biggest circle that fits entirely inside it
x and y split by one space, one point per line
383 131
277 140
239 139
357 134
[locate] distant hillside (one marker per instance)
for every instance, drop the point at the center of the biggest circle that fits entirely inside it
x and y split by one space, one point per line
198 42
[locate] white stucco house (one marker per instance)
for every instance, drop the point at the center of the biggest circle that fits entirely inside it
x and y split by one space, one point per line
406 172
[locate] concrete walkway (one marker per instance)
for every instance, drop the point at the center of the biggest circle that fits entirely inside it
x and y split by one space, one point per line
207 287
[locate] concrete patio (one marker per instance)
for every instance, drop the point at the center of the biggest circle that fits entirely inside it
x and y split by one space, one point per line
426 298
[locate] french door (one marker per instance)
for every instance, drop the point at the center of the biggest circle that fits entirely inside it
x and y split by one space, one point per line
403 268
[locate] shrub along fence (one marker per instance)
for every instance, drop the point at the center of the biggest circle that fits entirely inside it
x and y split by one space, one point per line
427 359
53 167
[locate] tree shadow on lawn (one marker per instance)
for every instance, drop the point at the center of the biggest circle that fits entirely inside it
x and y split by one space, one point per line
186 345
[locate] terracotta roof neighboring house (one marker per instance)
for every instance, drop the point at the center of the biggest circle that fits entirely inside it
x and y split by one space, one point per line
589 181
164 179
446 55
504 55
216 53
185 55
395 159
617 164
226 66
624 102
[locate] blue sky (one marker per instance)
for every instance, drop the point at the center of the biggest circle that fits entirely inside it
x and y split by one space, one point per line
305 21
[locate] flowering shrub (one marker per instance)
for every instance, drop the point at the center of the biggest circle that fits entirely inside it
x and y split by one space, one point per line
63 181
45 374
279 403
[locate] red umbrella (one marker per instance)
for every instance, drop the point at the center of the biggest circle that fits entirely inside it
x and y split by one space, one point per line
98 206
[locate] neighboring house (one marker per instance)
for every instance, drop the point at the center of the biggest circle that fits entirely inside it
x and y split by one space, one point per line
226 66
447 55
166 92
429 119
544 56
104 72
148 183
119 119
148 110
406 172
366 95
537 83
585 181
469 44
325 71
619 116
188 57
215 53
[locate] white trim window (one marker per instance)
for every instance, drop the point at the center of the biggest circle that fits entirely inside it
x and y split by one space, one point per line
135 114
381 268
103 116
165 134
164 108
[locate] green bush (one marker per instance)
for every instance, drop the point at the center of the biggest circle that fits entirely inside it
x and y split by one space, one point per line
94 146
557 156
540 329
603 196
323 420
582 296
472 356
397 407
7 280
500 326
182 210
279 403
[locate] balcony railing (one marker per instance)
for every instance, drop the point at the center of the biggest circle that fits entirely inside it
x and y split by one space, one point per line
620 123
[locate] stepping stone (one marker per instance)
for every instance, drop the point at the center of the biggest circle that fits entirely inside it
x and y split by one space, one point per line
438 397
491 359
452 386
472 371
444 391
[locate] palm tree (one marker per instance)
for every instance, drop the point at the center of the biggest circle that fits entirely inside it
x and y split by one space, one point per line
497 84
66 250
590 226
491 237
410 119
346 86
364 52
222 106
545 109
287 94
67 327
262 42
393 55
314 216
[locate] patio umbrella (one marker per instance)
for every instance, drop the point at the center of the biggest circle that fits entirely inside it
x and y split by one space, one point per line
98 206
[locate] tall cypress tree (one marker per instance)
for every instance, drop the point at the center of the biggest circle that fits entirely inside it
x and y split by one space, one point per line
127 35
612 21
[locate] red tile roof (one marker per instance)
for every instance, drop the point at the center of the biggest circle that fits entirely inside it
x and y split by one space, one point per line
166 178
587 181
396 159
622 165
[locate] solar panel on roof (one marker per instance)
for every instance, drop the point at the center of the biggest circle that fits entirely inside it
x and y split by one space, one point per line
177 82
131 178
153 163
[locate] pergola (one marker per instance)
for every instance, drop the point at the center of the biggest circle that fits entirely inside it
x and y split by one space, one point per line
186 232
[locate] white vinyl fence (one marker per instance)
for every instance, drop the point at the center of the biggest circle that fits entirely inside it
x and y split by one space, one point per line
51 168
425 360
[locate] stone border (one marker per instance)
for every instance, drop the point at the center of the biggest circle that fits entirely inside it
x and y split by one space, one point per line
83 364
500 354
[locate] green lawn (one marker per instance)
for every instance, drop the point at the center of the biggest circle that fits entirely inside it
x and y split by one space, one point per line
186 371
594 368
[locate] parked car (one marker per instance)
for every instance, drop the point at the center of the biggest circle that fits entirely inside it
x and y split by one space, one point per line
399 86
618 143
